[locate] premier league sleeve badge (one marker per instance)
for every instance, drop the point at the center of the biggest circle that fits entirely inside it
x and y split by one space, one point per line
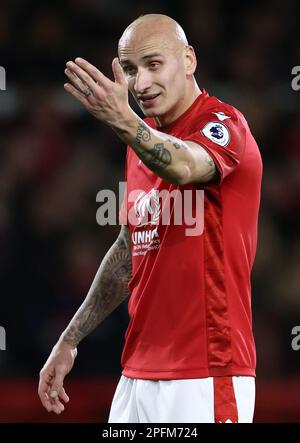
217 132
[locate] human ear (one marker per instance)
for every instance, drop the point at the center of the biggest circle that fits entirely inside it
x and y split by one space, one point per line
190 61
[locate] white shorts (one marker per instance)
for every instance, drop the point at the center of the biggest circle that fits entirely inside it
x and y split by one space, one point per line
201 400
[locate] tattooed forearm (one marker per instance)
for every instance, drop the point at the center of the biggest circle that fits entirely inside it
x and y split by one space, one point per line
212 171
142 134
109 290
157 158
179 145
177 161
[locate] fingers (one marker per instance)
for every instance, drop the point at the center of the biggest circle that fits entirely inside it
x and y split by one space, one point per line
118 71
57 384
51 392
42 391
51 400
64 395
54 399
51 404
79 85
86 76
93 72
78 95
102 97
82 76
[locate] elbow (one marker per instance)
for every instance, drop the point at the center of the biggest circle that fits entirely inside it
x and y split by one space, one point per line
183 176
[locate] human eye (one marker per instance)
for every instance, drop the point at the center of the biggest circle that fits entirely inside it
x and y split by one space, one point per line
154 65
129 70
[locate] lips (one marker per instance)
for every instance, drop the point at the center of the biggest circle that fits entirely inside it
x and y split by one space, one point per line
148 97
149 100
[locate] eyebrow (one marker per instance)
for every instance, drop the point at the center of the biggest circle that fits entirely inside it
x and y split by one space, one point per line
145 57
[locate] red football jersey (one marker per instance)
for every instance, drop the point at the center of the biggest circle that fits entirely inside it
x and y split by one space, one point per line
190 304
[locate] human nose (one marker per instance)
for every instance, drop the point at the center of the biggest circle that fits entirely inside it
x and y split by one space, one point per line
142 81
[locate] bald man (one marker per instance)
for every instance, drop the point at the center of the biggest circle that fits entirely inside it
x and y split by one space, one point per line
189 353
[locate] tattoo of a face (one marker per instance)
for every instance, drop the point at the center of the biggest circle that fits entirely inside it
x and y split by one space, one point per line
143 133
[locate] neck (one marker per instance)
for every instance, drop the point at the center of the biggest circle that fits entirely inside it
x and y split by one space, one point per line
191 94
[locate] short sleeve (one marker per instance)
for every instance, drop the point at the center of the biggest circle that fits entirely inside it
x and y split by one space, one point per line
223 135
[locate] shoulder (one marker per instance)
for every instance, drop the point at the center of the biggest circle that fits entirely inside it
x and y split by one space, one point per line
216 115
221 110
219 122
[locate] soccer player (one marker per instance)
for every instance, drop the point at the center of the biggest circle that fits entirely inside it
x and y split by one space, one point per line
189 353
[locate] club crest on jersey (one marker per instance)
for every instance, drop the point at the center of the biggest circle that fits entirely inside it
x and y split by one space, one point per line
147 208
217 132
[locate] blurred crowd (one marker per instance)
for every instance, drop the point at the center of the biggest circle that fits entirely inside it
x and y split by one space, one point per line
55 157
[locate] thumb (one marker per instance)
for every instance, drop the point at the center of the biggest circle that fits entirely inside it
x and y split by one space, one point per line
118 71
57 384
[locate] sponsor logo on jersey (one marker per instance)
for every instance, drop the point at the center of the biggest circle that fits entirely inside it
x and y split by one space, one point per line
217 132
146 236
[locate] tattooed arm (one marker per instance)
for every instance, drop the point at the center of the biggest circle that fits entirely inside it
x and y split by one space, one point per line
174 160
109 290
179 162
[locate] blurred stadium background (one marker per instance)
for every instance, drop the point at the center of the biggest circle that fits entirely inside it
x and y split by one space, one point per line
54 158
